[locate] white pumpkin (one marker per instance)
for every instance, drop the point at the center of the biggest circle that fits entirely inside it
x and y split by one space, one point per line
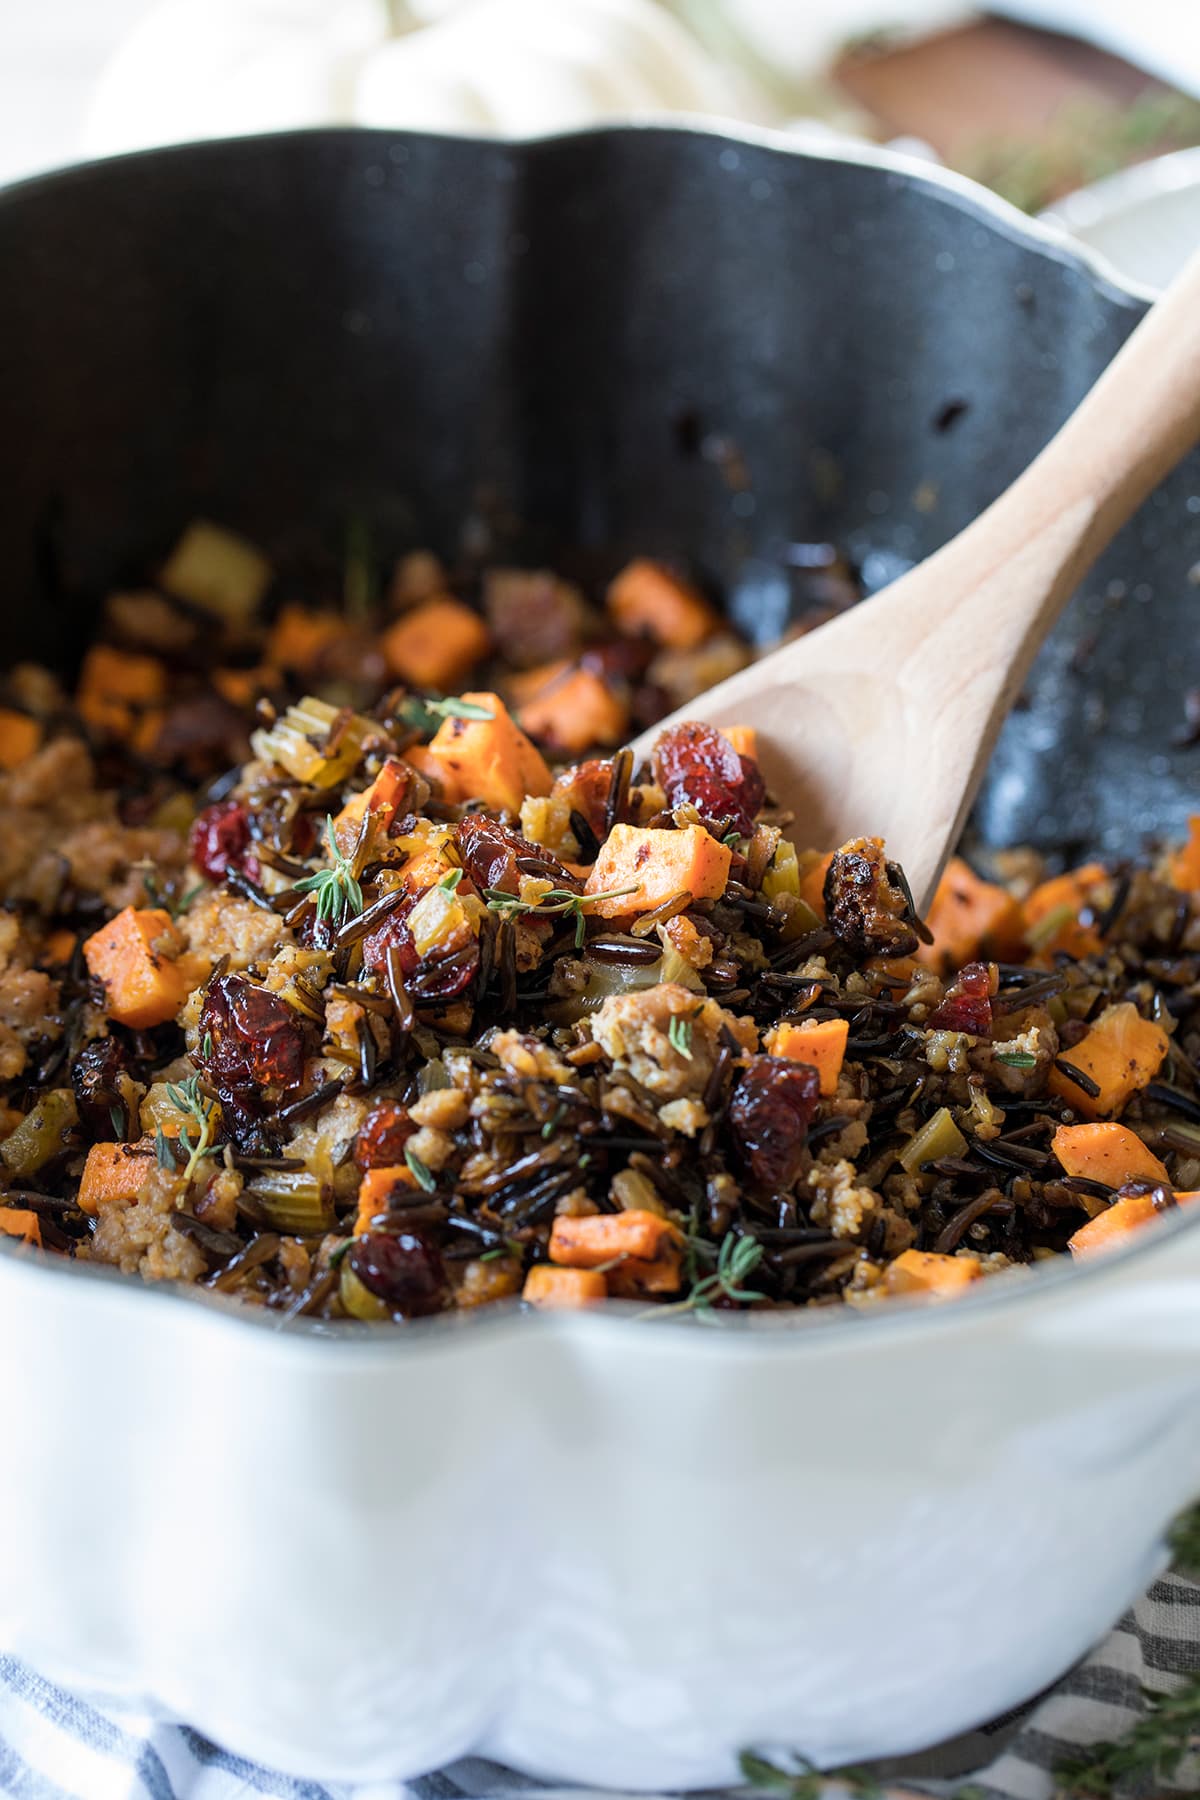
216 68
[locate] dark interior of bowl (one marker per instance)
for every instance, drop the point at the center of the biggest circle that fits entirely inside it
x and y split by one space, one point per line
633 340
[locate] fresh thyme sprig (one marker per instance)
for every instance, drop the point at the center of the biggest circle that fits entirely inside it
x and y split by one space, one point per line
1153 1751
170 903
426 715
1015 1059
556 900
737 1259
338 894
194 1105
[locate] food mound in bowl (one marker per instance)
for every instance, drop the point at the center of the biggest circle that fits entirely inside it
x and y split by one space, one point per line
435 1001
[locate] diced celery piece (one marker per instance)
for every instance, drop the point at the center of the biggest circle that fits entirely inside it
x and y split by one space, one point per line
938 1137
217 570
297 743
40 1134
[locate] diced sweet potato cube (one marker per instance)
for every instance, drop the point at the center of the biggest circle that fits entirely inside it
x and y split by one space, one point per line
384 798
1051 913
647 600
813 870
20 1222
117 686
1108 1153
147 974
490 760
376 1189
821 1043
564 1289
115 1172
298 636
927 1272
1185 862
576 711
1113 1228
655 865
744 739
1121 1053
436 645
970 919
20 736
640 1252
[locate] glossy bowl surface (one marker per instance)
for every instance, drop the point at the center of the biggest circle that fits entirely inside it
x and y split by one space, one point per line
605 1549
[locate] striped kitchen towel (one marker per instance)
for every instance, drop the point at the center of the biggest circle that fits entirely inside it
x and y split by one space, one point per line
60 1746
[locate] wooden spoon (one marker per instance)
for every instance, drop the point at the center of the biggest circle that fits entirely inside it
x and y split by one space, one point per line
882 721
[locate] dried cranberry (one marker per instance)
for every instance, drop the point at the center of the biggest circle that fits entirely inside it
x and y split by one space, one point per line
495 857
586 787
383 1135
625 659
95 1080
404 1268
968 1004
439 976
696 766
253 1038
769 1114
867 910
220 839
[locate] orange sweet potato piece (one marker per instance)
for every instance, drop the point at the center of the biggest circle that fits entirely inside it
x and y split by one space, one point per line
115 1172
971 920
1051 913
1108 1153
821 1043
488 759
576 711
1121 1053
436 645
563 1289
58 948
298 636
656 865
242 687
117 686
19 737
813 870
647 600
146 972
927 1272
373 1195
524 685
645 1248
744 739
1184 865
20 1223
383 798
1112 1229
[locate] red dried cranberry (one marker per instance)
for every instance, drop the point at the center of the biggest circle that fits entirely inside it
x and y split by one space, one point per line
383 1135
968 1004
867 911
219 841
254 1038
404 1268
696 766
495 857
625 659
95 1078
586 786
769 1114
440 976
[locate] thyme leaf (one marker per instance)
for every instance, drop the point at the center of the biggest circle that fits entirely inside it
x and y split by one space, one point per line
421 1173
336 889
679 1035
1015 1059
425 715
556 900
187 1099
